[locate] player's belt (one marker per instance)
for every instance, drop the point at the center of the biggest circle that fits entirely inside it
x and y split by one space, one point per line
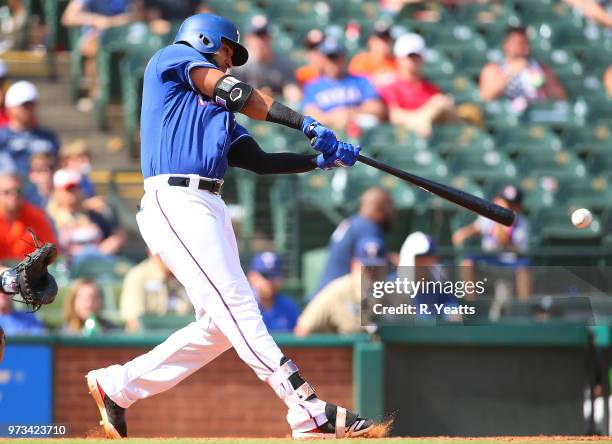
214 186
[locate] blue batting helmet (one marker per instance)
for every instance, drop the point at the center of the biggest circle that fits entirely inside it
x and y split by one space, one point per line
205 32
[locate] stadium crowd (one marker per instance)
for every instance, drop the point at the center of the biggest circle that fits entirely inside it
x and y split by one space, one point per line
45 185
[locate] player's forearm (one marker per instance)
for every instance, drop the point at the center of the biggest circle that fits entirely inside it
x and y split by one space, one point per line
249 156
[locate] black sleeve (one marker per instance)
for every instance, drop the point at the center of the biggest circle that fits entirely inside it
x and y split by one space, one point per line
247 154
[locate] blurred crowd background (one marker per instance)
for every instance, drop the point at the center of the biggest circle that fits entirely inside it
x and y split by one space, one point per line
509 100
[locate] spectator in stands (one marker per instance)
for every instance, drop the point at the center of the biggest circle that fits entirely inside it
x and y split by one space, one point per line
75 156
501 245
593 10
83 233
419 261
38 190
3 86
519 78
608 81
150 288
160 14
12 23
337 307
94 16
279 312
376 215
23 136
82 309
413 101
378 63
312 70
17 322
265 70
338 99
17 217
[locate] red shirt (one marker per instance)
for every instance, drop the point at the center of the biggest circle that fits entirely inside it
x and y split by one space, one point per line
16 241
408 95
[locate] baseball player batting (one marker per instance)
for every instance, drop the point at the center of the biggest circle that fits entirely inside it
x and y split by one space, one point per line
189 138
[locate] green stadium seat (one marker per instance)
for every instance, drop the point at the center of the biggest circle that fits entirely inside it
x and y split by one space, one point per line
462 88
480 167
588 140
450 139
313 263
164 323
383 138
556 114
529 138
552 226
437 65
594 193
588 87
600 109
559 164
539 192
600 163
306 209
499 117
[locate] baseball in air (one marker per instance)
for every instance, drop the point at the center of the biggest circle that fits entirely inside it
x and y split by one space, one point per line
582 218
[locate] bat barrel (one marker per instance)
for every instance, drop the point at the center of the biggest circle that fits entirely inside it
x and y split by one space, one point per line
466 200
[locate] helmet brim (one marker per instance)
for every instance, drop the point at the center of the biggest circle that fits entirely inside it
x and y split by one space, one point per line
240 56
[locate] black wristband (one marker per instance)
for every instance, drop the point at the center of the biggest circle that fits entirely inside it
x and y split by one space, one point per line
284 115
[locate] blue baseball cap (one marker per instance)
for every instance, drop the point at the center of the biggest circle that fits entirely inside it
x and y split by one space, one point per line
268 264
370 251
331 47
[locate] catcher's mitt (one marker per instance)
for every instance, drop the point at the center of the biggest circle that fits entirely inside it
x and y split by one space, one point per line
31 279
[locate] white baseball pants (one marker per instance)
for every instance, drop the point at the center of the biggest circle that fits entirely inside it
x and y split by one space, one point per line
191 230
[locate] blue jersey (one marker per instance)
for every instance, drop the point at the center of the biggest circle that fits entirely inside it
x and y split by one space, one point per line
21 145
282 316
181 131
328 94
106 7
342 246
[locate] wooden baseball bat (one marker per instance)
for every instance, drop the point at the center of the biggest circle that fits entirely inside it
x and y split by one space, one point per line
476 204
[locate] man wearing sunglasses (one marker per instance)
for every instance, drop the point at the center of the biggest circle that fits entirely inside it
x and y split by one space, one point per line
337 99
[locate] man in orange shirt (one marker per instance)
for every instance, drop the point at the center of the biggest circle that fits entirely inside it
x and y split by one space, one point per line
378 62
16 216
312 70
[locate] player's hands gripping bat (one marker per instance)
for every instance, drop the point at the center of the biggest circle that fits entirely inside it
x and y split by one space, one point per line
30 277
322 139
345 155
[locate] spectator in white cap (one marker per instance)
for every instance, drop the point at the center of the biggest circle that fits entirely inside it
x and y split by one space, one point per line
412 100
23 136
266 70
419 261
82 233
